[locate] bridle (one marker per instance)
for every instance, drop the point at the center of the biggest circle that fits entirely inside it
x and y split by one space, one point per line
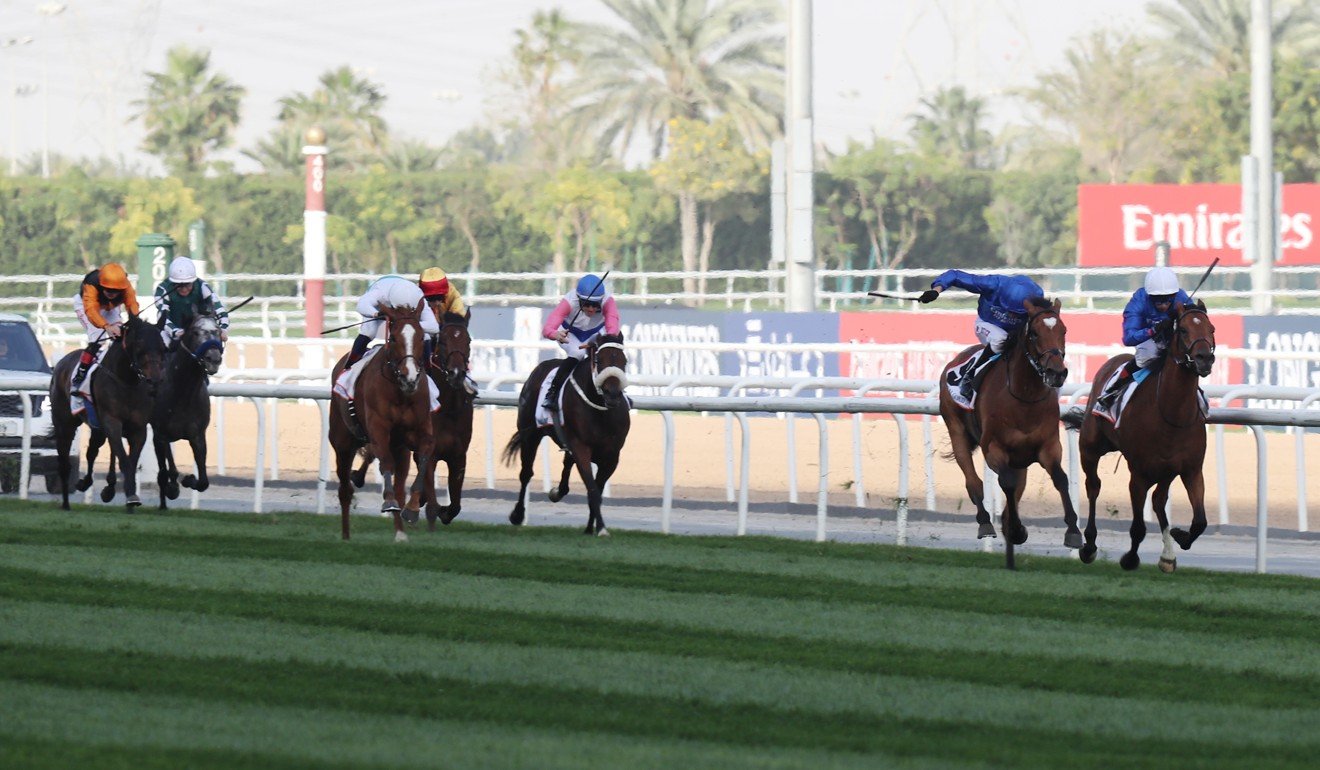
452 360
206 346
1186 362
598 376
392 366
1035 356
130 352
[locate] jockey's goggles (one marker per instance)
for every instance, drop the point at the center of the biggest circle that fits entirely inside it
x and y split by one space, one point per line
586 303
1162 299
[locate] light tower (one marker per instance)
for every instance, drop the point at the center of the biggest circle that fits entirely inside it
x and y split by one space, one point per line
314 233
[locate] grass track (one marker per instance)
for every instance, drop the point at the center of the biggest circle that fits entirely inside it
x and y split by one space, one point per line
221 640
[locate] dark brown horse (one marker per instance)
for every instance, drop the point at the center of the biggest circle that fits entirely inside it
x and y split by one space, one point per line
1161 433
123 391
1015 422
392 402
183 408
595 420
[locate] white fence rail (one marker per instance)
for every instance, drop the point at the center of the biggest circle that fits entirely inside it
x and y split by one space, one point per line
262 395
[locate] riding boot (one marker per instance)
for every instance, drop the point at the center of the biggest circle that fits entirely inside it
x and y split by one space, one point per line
359 350
967 376
84 363
1106 400
561 375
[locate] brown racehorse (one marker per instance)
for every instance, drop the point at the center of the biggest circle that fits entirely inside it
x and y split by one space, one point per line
392 400
452 422
1015 422
1161 433
123 394
595 419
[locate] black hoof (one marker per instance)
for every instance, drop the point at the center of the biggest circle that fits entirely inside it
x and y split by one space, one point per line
557 494
203 485
1087 554
188 480
1181 537
1072 540
1018 535
517 517
985 530
409 516
83 484
448 513
358 478
1129 561
172 491
107 494
132 501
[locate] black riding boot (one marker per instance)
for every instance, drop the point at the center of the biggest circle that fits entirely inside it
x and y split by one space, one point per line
561 375
359 350
968 375
1107 399
84 363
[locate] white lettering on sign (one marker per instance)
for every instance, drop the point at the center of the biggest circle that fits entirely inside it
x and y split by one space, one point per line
318 173
1200 229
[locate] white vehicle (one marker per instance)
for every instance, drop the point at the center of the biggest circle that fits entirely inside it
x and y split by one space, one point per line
21 355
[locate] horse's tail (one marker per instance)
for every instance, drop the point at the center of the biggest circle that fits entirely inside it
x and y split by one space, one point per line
514 446
1072 419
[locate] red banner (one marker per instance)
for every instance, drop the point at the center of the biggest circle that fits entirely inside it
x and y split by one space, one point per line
1118 225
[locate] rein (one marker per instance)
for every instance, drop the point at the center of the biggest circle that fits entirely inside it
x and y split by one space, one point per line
597 378
1035 359
1185 362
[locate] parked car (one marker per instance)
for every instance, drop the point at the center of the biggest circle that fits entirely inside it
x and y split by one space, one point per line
21 356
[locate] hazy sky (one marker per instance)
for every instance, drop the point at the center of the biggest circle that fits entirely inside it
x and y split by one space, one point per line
873 59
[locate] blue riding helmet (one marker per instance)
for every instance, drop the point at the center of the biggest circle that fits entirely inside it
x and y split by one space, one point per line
591 289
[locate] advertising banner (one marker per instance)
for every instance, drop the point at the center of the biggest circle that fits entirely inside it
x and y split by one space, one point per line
1119 225
679 330
1281 334
782 329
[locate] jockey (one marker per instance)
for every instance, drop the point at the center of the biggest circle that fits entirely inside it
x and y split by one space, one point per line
389 291
443 298
1147 321
181 297
104 291
999 313
582 314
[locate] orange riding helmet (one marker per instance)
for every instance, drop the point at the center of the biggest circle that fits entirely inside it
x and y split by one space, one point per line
113 276
434 283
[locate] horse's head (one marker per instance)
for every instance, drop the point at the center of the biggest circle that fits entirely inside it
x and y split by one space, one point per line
1193 343
404 347
201 341
454 350
1044 340
609 367
144 350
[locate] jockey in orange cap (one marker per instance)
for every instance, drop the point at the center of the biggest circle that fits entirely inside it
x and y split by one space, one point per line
104 292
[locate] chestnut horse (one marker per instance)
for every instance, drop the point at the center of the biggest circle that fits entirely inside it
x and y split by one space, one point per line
392 400
1161 434
1015 422
123 391
595 420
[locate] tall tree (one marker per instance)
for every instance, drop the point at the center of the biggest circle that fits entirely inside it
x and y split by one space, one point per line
952 126
188 111
543 58
1216 34
348 107
153 206
281 152
695 59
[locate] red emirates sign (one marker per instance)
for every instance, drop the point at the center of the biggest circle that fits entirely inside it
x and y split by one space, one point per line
1119 225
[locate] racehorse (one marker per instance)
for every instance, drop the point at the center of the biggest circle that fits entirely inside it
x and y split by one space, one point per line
1015 422
183 405
451 424
393 417
593 430
123 389
1161 433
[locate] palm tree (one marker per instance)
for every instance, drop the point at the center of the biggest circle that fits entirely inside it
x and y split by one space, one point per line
542 57
1217 33
952 127
408 155
348 108
695 59
188 112
281 151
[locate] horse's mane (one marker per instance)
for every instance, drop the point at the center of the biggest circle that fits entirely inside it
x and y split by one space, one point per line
618 338
1040 303
455 318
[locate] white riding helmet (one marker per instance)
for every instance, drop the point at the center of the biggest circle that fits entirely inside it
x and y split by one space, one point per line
1161 281
182 270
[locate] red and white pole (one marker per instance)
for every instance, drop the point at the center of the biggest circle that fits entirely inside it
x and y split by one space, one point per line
314 233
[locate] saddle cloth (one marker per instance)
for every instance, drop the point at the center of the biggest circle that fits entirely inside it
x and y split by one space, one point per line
1115 413
955 392
542 415
347 382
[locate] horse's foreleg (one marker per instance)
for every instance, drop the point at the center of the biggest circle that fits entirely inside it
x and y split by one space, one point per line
1158 500
344 469
1137 489
530 441
359 476
1051 459
962 454
604 470
162 449
457 473
115 440
95 439
1090 467
137 440
397 489
425 461
1194 483
64 432
201 481
1012 482
582 458
560 491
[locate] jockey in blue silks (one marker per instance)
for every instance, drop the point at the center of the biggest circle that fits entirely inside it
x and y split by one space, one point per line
1147 321
1000 313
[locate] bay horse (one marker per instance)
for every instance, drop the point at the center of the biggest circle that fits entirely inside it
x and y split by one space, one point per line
451 424
123 388
1161 434
392 401
183 403
1015 422
593 431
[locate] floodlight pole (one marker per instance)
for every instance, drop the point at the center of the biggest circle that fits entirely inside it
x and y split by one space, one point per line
1266 203
800 256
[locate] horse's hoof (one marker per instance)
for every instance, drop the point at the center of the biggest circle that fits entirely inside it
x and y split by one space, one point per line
107 494
1129 561
409 516
202 485
516 518
83 484
986 530
358 478
603 532
400 536
172 491
1018 535
1168 565
448 513
557 494
1181 537
188 480
1072 540
1087 554
132 501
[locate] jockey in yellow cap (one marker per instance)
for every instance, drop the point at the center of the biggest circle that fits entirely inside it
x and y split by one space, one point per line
443 298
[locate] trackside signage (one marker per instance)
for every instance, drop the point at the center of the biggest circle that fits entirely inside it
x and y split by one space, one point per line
1118 225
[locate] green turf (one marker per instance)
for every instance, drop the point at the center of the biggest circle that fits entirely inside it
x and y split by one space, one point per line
221 640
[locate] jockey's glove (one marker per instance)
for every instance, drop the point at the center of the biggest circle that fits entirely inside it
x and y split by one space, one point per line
928 296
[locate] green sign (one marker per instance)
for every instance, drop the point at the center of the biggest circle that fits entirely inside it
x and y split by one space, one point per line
155 251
